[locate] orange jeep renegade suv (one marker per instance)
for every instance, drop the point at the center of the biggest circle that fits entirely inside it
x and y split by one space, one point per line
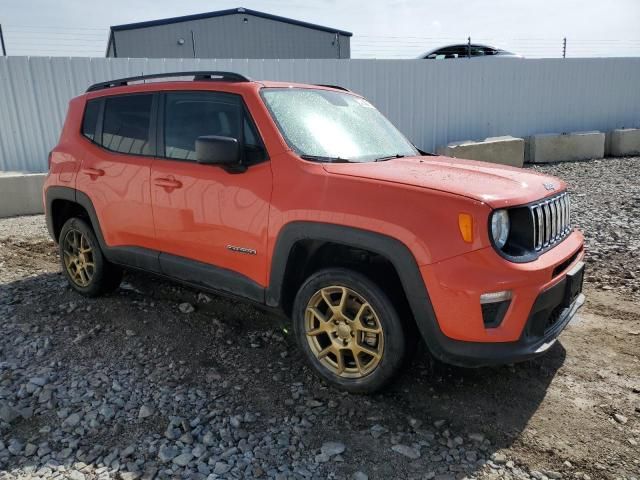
304 198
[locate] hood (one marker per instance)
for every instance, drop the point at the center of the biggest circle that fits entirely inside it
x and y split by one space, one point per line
497 185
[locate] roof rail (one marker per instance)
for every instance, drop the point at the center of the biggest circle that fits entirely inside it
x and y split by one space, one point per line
205 75
338 87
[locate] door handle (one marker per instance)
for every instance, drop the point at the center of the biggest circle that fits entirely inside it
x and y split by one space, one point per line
168 183
93 172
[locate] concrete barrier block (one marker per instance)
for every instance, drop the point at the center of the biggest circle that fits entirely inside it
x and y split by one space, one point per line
503 150
554 147
21 193
624 142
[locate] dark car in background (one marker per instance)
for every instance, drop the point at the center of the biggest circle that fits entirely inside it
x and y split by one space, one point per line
465 50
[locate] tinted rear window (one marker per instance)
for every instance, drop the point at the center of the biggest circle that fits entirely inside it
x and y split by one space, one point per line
126 124
90 119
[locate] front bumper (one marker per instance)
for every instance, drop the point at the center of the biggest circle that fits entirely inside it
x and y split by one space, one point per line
530 345
540 306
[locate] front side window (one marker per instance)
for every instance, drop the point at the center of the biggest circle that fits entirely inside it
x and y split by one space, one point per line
126 124
326 125
189 115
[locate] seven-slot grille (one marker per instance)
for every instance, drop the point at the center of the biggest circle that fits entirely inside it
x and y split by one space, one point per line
551 220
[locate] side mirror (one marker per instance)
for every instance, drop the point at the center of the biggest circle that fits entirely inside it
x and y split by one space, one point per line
215 150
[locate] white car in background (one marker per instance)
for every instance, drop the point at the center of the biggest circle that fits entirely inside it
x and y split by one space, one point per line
464 50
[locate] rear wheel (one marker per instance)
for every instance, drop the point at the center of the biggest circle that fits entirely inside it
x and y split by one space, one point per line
349 330
83 263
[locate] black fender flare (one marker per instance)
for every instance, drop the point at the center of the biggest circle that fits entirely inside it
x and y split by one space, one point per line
391 248
56 193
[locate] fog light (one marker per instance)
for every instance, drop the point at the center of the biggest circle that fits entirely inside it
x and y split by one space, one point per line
494 307
495 296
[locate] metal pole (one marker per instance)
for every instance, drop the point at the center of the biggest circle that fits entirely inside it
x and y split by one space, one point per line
468 47
4 50
564 47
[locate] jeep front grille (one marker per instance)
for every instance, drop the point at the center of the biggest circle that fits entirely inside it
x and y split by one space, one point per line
551 220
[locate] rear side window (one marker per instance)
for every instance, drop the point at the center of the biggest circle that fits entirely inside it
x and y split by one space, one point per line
90 119
189 115
126 124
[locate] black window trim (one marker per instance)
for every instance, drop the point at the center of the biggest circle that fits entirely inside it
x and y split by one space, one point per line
97 139
160 146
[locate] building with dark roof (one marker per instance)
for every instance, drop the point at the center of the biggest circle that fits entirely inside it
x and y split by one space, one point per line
233 33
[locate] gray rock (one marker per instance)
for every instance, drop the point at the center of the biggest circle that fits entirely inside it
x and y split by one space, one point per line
30 449
407 451
499 458
145 412
183 460
15 447
45 395
39 381
107 412
186 307
618 417
234 422
8 413
130 475
322 458
378 430
167 453
221 468
76 475
332 448
359 476
552 475
471 456
72 420
127 452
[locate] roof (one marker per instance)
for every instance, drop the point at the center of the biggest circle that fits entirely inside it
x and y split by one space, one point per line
222 13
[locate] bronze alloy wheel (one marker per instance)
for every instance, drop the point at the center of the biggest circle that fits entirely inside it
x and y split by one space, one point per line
78 258
344 332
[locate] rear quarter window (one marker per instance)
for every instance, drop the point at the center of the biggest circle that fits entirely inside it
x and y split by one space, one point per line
90 120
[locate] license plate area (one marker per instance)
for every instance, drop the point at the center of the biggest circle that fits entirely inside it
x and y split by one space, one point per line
574 282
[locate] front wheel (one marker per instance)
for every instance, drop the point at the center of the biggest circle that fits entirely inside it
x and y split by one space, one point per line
349 330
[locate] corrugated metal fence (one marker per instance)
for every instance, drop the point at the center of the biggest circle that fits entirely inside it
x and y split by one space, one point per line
432 102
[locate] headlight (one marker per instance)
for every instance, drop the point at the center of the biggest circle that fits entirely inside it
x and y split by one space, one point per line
500 227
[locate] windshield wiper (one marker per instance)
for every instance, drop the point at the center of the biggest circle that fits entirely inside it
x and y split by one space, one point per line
389 157
320 158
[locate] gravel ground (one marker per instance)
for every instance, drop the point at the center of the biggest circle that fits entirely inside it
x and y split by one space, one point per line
605 199
159 381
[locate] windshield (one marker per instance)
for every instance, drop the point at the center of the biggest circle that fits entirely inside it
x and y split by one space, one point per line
329 126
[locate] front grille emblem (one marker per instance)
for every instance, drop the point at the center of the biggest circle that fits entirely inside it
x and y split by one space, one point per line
549 186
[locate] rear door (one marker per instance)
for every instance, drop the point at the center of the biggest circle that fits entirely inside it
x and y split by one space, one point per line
116 167
211 223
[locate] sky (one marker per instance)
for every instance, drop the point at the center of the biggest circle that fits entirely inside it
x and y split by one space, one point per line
382 29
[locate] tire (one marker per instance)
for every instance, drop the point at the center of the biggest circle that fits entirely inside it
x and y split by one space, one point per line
83 262
320 337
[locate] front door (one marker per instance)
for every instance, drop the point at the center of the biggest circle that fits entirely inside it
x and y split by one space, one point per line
211 224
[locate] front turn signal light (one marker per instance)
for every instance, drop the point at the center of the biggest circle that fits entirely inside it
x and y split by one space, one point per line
465 222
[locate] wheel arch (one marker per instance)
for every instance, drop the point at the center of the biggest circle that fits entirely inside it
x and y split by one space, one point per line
290 254
63 203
